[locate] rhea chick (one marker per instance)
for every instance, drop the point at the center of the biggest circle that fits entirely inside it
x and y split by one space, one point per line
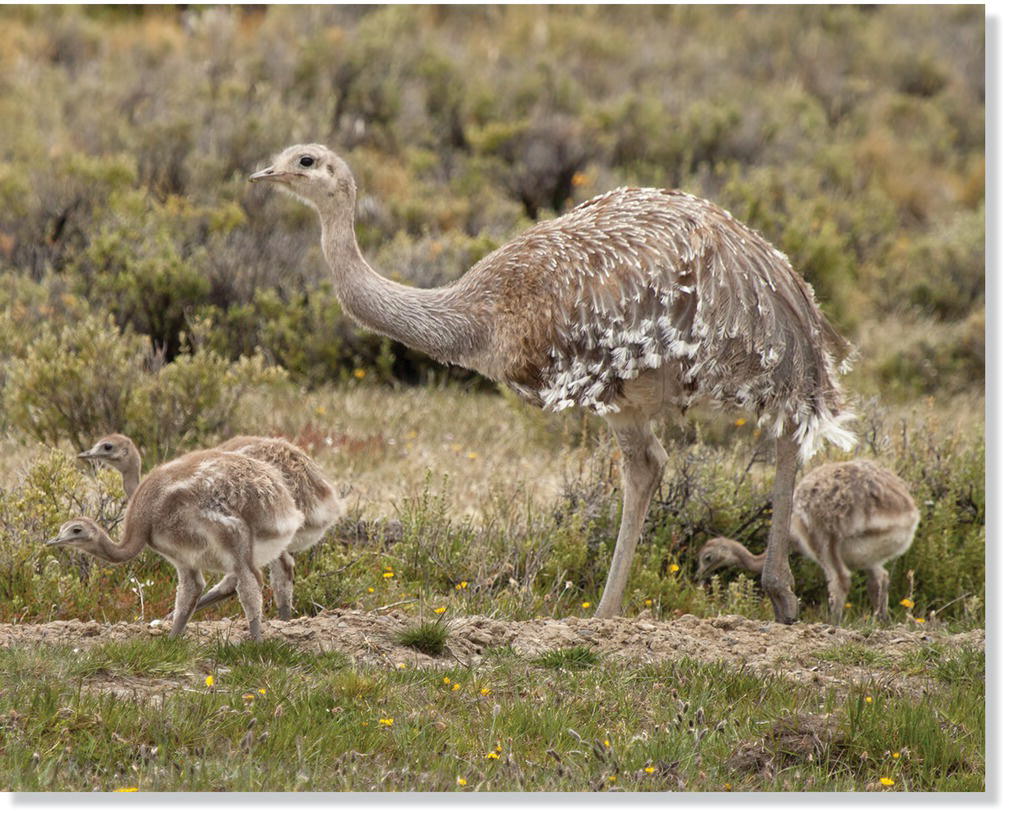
846 516
207 510
313 493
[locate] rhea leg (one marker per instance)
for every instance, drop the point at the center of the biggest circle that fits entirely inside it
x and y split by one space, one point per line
878 582
223 590
777 580
282 571
188 590
643 461
838 583
248 580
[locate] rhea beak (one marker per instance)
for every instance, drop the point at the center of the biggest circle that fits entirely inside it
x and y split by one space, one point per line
86 455
56 540
266 173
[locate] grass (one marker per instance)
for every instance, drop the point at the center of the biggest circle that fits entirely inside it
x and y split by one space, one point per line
850 654
571 658
429 637
526 527
280 718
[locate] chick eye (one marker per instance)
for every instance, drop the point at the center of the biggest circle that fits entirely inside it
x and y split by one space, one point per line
306 161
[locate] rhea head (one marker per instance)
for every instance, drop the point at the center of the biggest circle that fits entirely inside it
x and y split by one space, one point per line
714 555
81 533
312 173
114 449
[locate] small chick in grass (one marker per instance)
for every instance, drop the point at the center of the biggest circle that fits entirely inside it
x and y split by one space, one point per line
846 516
208 510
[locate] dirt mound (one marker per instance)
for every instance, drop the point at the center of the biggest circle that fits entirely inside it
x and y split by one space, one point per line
755 646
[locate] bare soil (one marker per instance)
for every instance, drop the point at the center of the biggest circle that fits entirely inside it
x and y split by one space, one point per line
754 646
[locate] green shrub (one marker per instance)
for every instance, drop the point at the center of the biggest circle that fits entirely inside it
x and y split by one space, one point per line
90 379
944 271
42 583
74 383
193 401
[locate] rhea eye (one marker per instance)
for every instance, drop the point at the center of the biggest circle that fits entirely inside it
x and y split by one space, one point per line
107 447
76 531
306 161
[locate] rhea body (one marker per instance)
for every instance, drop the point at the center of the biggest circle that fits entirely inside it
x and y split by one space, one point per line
638 302
207 510
313 494
847 516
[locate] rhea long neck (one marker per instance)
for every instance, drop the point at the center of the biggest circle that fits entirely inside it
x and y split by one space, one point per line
448 323
130 470
118 552
748 560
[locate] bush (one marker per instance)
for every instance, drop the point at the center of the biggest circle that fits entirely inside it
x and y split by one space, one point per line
123 172
74 383
90 379
42 583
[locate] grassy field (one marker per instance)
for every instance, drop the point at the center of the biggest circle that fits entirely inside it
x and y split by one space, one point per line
508 511
270 717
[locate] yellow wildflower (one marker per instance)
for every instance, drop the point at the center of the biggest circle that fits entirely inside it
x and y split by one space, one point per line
649 769
455 687
462 781
359 374
386 721
492 756
847 605
370 590
262 691
895 755
579 179
446 680
388 575
586 604
122 790
648 602
920 620
612 778
868 699
886 781
472 455
673 568
460 585
607 743
740 422
484 691
440 610
907 603
249 696
401 666
209 681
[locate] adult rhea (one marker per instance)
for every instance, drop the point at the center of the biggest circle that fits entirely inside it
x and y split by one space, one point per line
633 303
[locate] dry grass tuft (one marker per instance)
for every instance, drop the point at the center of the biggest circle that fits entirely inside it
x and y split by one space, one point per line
788 742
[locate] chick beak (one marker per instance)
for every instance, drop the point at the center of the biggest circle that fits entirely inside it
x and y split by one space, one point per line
266 173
